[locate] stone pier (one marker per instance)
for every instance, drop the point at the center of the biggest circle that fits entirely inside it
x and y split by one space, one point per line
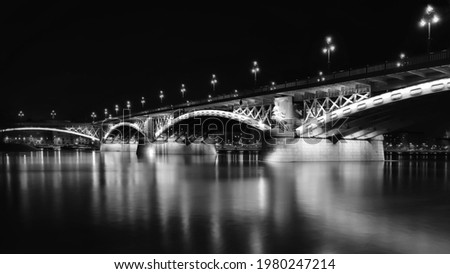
311 149
119 147
164 147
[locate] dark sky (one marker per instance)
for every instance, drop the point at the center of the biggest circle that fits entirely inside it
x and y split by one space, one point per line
78 57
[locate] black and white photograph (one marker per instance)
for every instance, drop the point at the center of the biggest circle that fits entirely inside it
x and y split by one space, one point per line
252 128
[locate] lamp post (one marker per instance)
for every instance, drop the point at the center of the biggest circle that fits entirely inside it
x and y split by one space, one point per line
236 93
93 115
255 69
209 97
183 90
328 49
128 107
53 114
321 78
214 82
402 60
21 115
142 102
106 113
272 86
117 109
430 17
161 95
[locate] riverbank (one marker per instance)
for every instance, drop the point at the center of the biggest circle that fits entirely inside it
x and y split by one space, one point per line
416 155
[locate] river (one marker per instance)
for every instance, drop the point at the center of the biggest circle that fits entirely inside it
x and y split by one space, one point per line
93 202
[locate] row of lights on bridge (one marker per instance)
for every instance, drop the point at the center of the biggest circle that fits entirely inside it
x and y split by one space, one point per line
430 17
255 70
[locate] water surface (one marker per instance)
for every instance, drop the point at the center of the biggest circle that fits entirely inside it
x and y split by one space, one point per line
92 202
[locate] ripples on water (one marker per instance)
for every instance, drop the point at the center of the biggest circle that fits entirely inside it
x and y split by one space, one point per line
92 202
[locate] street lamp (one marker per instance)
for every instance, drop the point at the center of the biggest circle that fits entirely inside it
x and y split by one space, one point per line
236 93
209 97
329 47
402 60
272 86
128 107
93 115
21 115
321 78
53 114
255 69
161 95
430 17
117 109
143 102
183 90
213 82
106 113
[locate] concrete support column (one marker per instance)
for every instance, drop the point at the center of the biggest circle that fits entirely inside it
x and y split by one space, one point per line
284 113
313 149
149 129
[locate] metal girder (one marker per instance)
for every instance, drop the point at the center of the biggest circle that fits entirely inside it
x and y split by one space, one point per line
260 113
247 117
359 127
86 130
137 125
161 121
321 106
67 131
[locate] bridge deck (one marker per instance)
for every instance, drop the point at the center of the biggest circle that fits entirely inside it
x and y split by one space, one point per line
379 78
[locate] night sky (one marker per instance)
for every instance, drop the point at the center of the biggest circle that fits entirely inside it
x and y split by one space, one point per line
76 57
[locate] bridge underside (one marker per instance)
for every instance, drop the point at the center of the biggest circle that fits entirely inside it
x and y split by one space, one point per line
421 111
359 138
383 113
124 133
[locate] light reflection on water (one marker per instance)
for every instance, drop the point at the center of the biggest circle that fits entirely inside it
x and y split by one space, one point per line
91 202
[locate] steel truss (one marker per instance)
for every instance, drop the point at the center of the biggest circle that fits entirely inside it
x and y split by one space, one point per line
160 121
259 113
317 107
86 130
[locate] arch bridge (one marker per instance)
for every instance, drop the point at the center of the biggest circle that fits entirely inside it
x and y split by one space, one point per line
88 132
358 104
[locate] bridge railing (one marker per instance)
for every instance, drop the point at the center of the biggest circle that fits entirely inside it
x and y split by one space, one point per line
351 73
387 66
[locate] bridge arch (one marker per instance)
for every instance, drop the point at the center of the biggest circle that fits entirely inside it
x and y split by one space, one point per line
214 113
318 127
50 129
123 124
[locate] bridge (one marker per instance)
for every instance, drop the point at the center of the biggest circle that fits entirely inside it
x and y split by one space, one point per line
52 134
339 116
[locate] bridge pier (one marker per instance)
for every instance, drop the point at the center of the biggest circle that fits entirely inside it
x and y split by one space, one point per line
315 149
174 148
284 149
118 147
149 129
283 112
